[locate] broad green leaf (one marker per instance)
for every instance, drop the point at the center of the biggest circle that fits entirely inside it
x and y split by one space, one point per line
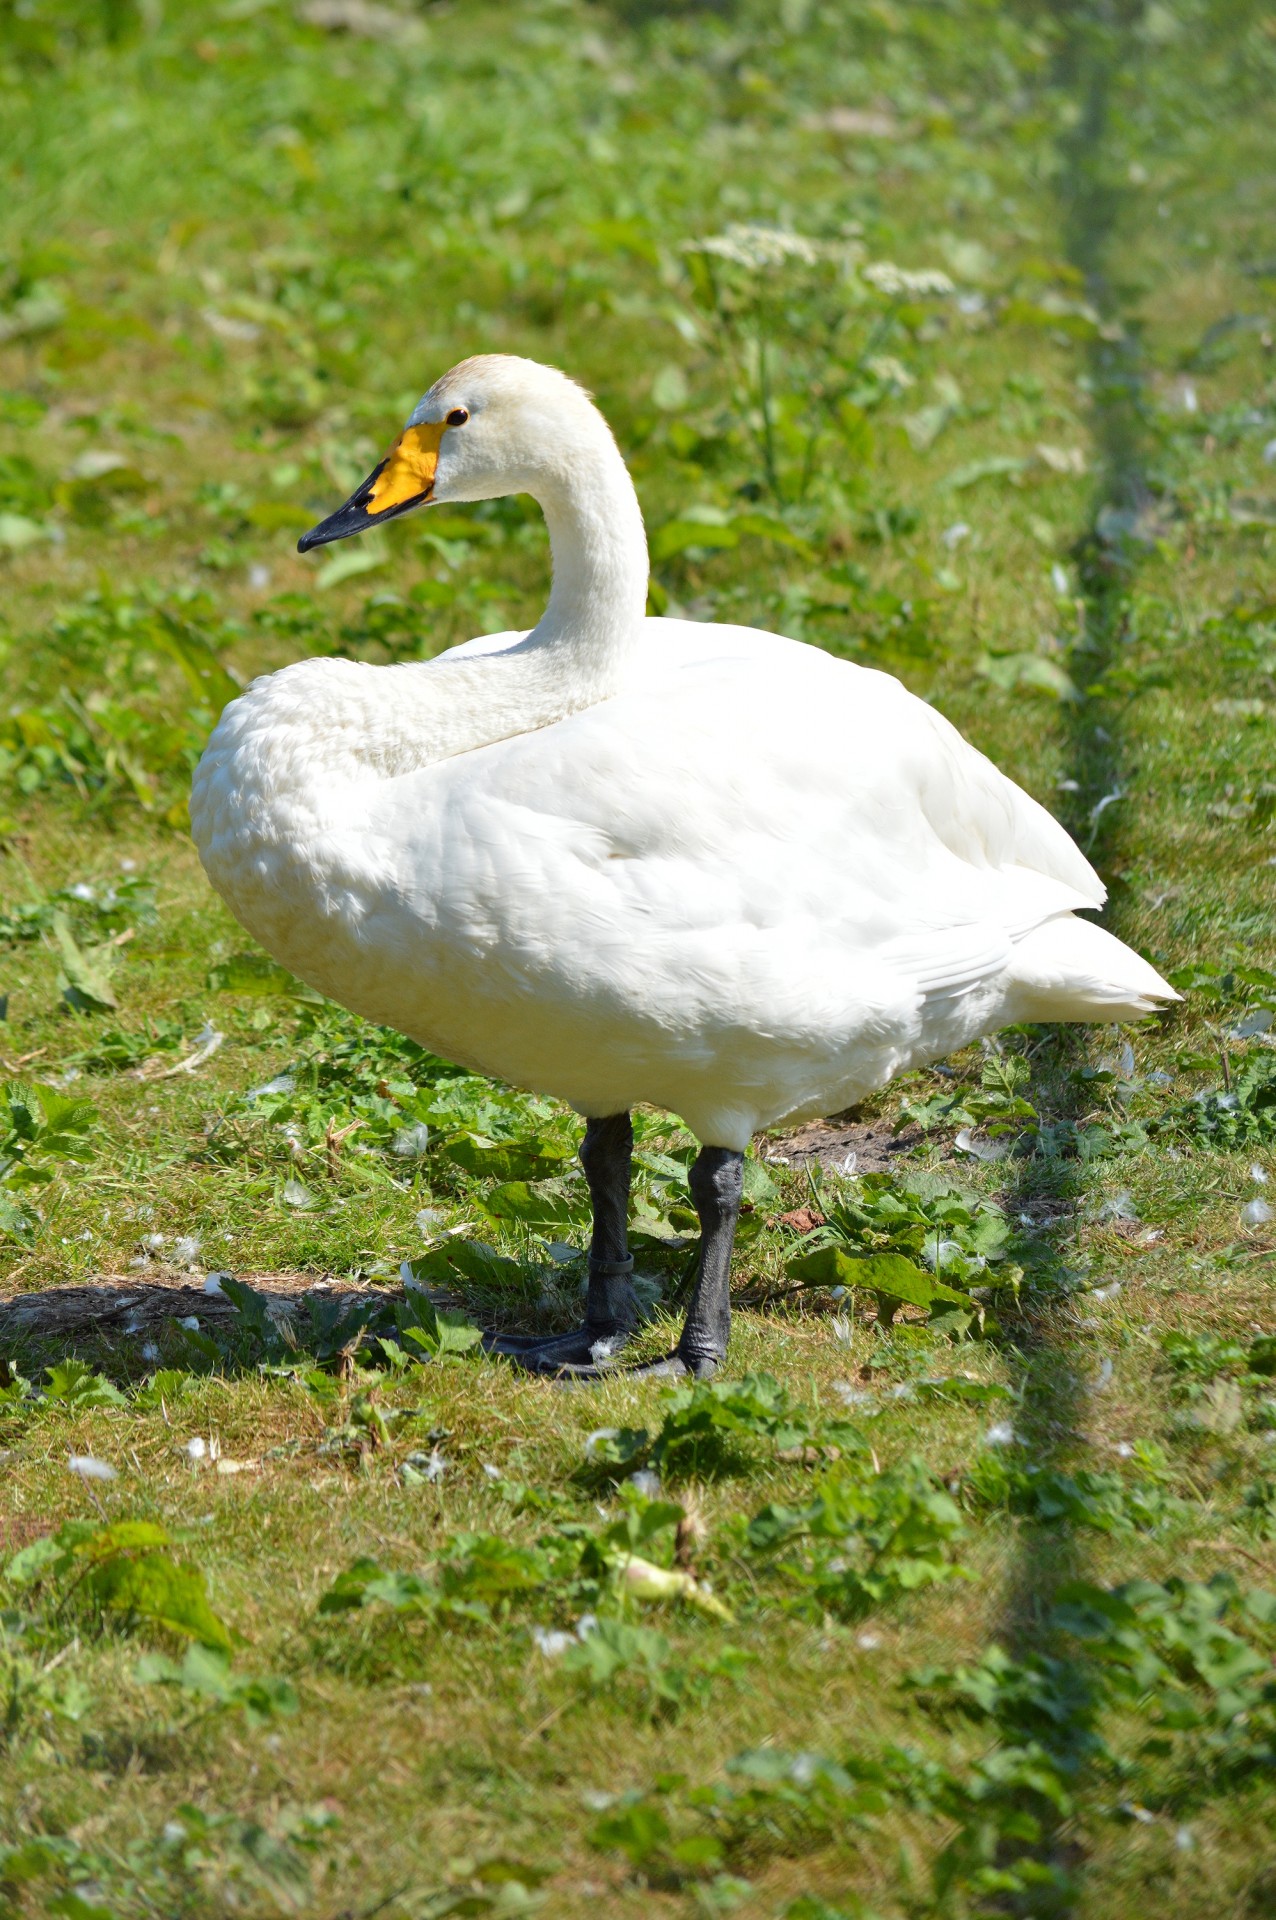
74 1384
17 532
257 973
824 1267
503 1160
677 536
998 466
207 677
536 1206
888 1275
371 554
122 1536
156 1588
366 1583
206 1673
438 1329
765 526
84 978
1035 672
33 1561
252 1310
760 1189
892 1277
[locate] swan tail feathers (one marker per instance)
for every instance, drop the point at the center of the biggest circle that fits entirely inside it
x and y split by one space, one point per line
1070 969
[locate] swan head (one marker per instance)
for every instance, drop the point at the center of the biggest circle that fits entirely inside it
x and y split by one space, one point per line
493 425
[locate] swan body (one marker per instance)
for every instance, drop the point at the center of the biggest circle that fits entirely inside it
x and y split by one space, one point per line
750 885
619 859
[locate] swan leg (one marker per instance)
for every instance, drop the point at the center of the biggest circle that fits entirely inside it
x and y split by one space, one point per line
717 1187
611 1312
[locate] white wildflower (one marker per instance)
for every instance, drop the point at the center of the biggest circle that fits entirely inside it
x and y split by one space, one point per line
758 249
1062 459
890 371
895 281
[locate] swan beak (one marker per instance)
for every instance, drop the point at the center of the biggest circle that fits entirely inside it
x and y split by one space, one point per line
404 479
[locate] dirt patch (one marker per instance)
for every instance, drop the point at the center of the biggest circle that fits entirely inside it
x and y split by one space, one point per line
115 1307
18 1530
832 1142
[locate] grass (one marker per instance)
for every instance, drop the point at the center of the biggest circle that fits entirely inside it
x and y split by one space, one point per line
235 249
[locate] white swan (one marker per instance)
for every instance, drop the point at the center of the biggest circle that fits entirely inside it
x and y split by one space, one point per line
619 859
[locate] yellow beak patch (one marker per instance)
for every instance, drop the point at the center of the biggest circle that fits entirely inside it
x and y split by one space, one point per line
409 469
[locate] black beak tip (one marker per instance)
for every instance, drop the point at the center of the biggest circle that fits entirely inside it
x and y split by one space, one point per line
356 516
351 518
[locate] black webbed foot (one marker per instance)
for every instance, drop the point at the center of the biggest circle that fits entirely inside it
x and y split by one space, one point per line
611 1316
584 1346
591 1352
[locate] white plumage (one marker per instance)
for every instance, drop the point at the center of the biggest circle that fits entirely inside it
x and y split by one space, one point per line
622 860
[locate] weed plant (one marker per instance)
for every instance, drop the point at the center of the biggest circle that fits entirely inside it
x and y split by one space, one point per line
937 337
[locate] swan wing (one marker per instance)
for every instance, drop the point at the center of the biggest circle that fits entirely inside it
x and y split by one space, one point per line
769 828
978 813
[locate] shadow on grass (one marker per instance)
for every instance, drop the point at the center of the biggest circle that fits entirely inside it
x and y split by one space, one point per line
1098 49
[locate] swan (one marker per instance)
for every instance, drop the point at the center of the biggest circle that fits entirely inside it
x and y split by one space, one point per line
621 859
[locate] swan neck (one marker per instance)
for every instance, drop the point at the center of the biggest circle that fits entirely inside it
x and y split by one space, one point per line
599 596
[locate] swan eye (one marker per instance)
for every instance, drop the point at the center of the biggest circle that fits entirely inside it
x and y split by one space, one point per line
457 417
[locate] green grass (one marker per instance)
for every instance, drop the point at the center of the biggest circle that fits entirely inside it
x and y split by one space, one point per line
234 249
